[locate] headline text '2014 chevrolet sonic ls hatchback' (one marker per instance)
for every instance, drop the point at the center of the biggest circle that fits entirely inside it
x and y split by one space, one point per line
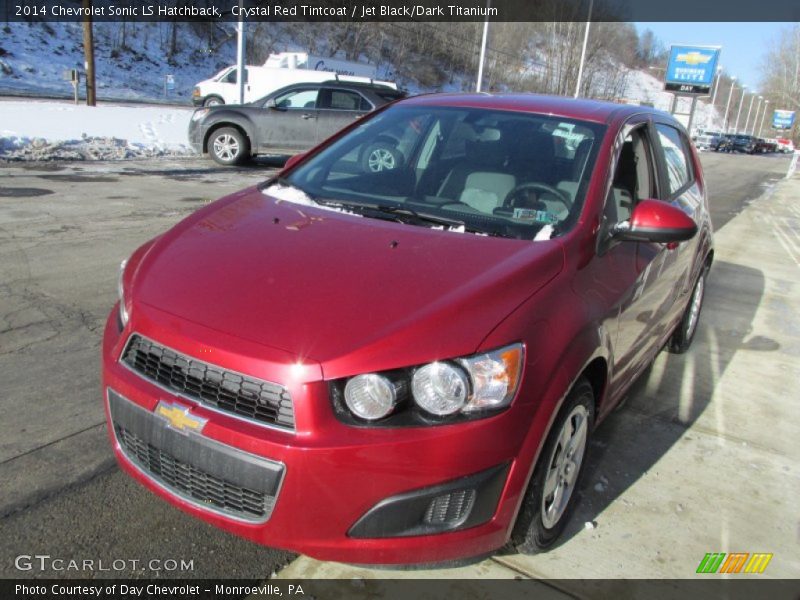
405 364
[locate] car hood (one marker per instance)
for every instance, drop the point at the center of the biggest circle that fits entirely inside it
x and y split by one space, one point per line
338 288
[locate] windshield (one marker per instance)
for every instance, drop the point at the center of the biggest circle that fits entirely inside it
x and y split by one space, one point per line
501 173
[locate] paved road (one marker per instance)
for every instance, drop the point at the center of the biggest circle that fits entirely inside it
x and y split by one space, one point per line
63 231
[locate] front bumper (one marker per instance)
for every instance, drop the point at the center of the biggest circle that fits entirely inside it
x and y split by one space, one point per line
330 476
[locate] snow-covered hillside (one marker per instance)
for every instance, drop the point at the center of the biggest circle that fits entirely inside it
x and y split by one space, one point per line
33 57
642 87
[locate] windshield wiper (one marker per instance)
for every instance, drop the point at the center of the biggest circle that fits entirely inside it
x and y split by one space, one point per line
404 212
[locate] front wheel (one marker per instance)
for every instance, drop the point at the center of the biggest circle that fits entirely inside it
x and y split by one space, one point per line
213 101
684 334
550 497
228 146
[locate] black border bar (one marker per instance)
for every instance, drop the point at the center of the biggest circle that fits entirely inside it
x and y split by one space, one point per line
401 10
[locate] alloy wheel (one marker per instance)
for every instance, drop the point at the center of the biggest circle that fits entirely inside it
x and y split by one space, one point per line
226 147
564 465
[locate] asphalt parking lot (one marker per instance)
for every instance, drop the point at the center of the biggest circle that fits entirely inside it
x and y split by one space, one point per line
700 435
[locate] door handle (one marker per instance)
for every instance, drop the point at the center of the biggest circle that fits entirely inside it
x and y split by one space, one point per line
308 116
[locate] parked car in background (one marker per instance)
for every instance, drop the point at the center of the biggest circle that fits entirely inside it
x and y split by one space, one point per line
708 140
744 143
785 145
290 120
407 364
725 143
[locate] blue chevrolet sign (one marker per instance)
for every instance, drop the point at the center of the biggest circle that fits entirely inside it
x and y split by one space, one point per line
691 69
783 119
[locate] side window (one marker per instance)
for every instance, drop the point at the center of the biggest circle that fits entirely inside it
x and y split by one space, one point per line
341 100
633 177
298 99
675 157
231 77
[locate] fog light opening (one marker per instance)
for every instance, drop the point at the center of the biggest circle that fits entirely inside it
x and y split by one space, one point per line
450 509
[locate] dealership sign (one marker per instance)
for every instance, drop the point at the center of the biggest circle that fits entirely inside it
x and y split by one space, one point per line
783 119
691 69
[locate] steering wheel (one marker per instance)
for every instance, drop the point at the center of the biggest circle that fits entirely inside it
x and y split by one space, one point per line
534 185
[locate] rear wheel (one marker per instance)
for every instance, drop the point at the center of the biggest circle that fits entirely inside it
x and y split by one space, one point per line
684 334
228 146
550 497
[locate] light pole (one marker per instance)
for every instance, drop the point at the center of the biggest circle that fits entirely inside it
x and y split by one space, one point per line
755 119
739 114
728 106
583 51
241 69
716 87
761 127
483 48
749 110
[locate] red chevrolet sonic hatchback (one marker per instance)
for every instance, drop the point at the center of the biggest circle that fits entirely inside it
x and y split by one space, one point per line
396 350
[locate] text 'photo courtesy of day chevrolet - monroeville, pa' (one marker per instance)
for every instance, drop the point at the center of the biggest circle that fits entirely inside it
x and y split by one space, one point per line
383 299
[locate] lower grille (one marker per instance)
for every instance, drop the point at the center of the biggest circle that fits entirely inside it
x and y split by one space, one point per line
202 471
193 482
224 390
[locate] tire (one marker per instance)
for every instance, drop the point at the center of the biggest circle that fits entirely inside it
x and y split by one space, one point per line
228 146
687 327
213 101
542 516
380 156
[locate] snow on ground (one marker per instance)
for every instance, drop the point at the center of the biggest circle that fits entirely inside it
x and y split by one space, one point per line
60 130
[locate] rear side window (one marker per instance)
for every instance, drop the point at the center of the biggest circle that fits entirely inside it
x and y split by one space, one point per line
343 100
675 157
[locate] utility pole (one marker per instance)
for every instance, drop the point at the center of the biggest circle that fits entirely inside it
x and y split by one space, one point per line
739 114
583 51
88 51
483 48
728 106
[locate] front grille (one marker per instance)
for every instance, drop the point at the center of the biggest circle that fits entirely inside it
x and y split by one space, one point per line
213 386
194 483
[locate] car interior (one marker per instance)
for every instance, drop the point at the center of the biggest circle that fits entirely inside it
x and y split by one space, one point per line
526 171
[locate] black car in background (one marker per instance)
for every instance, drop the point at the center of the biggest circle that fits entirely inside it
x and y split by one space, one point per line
744 143
290 120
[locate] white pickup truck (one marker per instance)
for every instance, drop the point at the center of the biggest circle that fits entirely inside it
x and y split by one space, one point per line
279 70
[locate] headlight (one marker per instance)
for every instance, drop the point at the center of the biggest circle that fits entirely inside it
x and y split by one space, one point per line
462 387
370 396
199 114
440 388
123 309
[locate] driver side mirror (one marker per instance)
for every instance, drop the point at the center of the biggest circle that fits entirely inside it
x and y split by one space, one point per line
271 104
655 221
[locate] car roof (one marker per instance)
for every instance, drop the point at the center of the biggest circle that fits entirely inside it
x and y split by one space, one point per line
579 109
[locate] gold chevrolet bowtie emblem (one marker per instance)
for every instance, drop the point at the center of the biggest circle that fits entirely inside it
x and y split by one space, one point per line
179 418
694 58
